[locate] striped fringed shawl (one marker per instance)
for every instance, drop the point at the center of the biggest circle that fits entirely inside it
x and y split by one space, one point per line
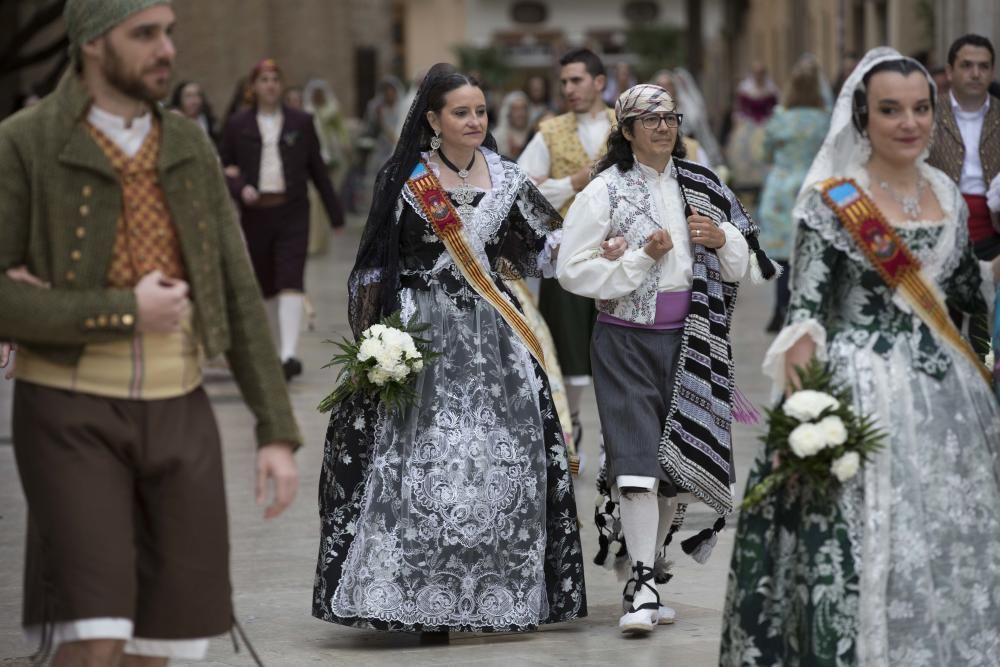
696 447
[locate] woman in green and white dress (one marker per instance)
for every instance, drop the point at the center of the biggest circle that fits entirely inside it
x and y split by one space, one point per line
904 568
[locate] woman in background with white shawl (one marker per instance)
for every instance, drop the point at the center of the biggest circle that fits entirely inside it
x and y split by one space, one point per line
335 147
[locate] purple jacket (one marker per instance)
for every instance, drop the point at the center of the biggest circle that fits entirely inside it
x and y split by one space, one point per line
300 158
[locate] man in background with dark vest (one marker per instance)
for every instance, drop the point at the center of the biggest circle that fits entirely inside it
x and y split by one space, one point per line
967 141
966 146
271 152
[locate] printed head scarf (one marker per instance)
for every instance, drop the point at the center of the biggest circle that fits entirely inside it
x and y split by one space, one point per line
641 100
89 19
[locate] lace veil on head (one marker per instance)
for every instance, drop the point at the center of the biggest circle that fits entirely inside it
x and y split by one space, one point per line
845 147
375 276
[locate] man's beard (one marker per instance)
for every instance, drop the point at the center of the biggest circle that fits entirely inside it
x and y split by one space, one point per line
117 75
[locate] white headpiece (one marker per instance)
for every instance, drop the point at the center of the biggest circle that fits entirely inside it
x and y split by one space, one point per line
844 147
332 105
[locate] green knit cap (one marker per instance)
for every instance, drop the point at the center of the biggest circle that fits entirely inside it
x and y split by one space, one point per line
89 19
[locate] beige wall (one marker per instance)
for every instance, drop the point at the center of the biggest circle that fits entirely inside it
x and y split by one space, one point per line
432 28
779 31
955 19
219 41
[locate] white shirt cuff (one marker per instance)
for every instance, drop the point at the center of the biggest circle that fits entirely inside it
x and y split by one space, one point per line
548 256
993 194
557 190
734 256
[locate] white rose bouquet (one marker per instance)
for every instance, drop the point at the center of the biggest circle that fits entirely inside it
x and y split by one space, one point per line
815 437
385 360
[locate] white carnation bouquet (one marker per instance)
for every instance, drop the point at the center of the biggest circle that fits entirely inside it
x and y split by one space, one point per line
385 360
816 438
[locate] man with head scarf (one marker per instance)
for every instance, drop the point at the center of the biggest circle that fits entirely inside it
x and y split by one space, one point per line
271 152
661 354
122 269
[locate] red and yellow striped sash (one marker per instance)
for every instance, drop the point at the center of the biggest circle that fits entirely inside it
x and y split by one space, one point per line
897 266
449 228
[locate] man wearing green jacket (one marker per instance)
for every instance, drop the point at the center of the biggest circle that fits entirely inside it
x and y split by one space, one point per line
121 269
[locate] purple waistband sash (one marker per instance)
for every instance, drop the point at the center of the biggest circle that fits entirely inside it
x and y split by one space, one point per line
671 310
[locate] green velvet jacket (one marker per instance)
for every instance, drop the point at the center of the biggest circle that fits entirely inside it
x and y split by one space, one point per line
60 200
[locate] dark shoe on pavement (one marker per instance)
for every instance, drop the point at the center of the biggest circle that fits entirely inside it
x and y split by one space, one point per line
292 367
577 427
777 319
434 638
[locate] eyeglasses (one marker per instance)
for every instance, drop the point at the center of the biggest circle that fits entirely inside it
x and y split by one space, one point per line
652 121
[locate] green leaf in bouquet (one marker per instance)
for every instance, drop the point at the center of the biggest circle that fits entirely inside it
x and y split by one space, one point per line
353 374
812 474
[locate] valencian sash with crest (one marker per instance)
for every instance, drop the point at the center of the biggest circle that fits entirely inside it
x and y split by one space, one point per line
893 261
449 228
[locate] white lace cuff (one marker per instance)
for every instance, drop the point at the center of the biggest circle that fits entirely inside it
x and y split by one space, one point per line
774 359
988 287
547 257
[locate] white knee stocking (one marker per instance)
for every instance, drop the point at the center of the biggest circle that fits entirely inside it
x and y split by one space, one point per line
290 309
573 395
640 518
668 507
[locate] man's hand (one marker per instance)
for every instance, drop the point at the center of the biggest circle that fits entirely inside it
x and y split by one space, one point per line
276 464
249 195
658 244
161 303
614 248
580 179
20 274
6 355
704 231
232 171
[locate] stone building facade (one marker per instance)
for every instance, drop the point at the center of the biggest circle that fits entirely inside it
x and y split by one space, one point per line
778 31
347 42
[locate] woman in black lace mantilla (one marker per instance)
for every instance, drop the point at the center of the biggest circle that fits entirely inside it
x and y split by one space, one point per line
456 513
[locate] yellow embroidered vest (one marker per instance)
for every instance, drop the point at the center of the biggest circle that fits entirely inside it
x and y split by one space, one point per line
566 153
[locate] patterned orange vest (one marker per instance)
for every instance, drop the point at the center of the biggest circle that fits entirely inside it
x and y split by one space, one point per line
146 238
